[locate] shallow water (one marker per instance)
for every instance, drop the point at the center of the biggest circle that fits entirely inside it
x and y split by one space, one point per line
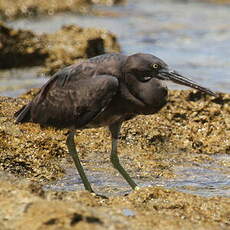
208 179
192 37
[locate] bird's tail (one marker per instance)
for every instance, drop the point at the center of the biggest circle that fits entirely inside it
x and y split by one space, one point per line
23 114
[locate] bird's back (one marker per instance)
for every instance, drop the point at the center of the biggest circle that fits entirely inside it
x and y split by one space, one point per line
75 94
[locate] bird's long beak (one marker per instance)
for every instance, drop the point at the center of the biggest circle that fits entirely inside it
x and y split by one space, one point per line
171 75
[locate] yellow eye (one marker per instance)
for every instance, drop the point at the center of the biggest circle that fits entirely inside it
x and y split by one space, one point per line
155 66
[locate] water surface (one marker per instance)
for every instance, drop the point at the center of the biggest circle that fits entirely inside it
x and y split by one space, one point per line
207 179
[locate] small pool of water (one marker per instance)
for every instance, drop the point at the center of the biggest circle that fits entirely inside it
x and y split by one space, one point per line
192 37
208 179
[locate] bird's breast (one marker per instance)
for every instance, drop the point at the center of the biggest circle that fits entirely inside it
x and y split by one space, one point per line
152 93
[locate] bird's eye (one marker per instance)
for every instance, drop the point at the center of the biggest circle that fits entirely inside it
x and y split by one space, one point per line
155 66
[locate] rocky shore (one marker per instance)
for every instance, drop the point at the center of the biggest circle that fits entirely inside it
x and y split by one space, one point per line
192 126
190 130
21 48
25 205
12 9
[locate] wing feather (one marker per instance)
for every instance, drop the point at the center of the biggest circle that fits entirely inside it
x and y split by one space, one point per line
71 100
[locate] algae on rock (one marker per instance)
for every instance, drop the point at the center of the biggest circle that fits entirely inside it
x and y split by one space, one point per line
25 205
68 45
73 43
191 126
12 9
20 48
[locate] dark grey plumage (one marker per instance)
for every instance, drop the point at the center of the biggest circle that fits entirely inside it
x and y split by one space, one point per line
103 91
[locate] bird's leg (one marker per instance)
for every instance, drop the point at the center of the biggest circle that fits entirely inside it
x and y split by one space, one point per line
73 152
115 130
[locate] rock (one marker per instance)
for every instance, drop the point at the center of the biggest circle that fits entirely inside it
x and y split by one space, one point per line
68 45
191 126
20 48
20 148
12 9
72 43
25 205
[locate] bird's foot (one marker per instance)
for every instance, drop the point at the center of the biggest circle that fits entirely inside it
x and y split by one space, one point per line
99 195
137 188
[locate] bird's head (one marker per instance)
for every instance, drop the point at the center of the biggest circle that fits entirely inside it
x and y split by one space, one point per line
146 67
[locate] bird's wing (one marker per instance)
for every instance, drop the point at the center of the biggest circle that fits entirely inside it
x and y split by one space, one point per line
71 100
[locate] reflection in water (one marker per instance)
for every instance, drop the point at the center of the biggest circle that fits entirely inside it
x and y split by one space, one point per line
210 179
193 37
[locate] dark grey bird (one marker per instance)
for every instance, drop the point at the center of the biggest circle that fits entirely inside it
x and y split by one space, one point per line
103 91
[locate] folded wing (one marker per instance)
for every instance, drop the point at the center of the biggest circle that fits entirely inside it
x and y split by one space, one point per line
70 99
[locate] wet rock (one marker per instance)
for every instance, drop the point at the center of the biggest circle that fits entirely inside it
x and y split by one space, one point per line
192 126
20 148
151 207
68 45
72 43
20 48
35 156
12 9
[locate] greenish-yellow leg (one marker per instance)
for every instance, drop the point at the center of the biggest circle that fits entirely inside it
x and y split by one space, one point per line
115 130
73 152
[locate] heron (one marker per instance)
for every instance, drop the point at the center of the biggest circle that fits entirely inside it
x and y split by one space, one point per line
103 91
